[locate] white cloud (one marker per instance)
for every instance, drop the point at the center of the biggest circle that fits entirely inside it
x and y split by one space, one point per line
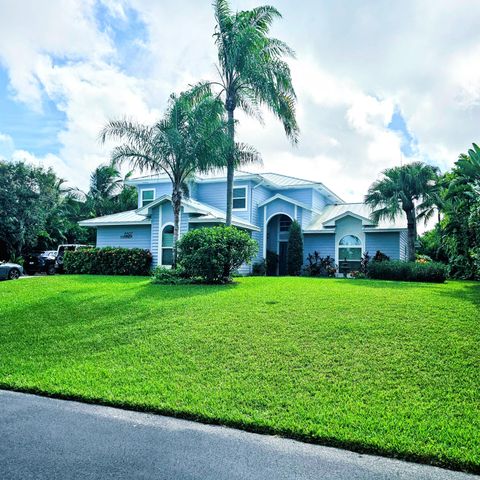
6 146
357 62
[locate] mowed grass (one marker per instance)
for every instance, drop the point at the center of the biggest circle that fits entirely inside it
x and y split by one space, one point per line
374 366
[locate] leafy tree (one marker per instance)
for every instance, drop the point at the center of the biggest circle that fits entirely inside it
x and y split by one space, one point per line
431 244
252 73
27 196
295 249
461 223
189 138
412 188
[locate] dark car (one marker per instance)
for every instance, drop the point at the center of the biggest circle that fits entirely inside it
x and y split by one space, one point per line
10 271
42 262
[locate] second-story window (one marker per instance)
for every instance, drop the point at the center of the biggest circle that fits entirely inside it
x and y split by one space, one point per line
240 198
148 196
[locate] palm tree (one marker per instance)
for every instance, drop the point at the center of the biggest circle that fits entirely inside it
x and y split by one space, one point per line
109 191
252 73
411 188
191 137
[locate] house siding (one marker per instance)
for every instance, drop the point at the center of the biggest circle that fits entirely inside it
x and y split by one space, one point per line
112 236
160 189
323 243
387 242
403 245
318 201
259 195
303 195
280 206
154 234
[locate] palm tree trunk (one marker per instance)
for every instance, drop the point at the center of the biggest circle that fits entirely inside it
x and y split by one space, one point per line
230 162
412 234
176 205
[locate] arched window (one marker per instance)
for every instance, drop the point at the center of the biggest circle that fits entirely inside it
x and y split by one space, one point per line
167 245
350 249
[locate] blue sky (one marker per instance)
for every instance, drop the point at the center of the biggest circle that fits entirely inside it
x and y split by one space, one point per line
402 85
31 130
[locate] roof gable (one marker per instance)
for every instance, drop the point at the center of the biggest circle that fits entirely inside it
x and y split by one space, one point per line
331 213
279 196
365 220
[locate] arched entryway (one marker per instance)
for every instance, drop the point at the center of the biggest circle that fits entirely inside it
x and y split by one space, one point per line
277 229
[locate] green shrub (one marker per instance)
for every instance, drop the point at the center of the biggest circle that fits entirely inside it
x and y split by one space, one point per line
108 261
407 271
295 249
213 254
318 266
171 276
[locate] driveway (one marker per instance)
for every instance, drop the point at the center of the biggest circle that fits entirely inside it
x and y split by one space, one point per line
43 438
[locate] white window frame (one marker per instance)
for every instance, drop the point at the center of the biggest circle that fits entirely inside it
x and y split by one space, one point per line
245 187
141 196
160 253
346 246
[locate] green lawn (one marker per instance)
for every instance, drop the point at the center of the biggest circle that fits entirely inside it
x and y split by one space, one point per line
373 366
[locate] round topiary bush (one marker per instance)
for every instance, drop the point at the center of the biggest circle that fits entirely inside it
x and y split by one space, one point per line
214 253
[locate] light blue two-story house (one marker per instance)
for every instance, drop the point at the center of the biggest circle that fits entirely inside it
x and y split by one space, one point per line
264 204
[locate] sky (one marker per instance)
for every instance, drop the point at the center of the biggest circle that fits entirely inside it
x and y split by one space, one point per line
379 83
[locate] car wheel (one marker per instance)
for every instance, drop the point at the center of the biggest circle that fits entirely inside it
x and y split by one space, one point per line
51 270
14 274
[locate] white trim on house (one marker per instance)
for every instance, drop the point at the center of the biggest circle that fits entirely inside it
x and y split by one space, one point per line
160 228
279 196
265 223
365 220
141 196
245 209
129 217
337 247
161 247
384 230
264 232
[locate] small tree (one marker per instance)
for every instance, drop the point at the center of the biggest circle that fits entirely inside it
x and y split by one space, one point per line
295 249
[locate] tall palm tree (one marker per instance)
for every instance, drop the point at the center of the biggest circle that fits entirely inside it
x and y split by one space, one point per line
191 137
411 188
252 73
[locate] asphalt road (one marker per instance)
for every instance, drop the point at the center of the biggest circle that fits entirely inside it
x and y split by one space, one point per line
42 438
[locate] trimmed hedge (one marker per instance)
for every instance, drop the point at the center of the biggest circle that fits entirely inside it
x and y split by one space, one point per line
214 253
407 271
108 261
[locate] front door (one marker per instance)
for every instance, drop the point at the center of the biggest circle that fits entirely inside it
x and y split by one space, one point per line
282 258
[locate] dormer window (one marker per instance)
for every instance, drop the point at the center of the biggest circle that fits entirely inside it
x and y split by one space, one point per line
240 198
147 196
